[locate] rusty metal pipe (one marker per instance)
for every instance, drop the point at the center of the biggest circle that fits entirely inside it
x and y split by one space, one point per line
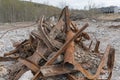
96 49
69 53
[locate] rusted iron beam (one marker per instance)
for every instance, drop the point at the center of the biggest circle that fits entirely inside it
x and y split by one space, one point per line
56 30
90 44
67 20
8 58
96 49
45 38
62 14
73 27
32 60
85 35
10 53
71 77
56 43
38 52
32 66
54 70
110 62
21 72
69 52
101 65
37 75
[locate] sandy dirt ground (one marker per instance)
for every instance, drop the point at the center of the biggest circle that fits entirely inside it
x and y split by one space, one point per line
105 31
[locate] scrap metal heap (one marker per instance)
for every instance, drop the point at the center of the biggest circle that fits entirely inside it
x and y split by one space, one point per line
52 51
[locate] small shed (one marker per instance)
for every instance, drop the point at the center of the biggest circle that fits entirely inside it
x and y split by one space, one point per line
117 10
110 9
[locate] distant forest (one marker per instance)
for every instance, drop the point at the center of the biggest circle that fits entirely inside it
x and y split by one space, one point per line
18 11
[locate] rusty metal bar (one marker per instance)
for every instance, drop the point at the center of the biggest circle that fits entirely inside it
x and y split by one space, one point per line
8 58
96 49
88 75
39 52
90 44
110 62
85 35
36 75
37 55
10 53
56 43
61 15
17 48
69 52
45 38
71 77
53 33
75 29
21 72
32 60
67 20
29 64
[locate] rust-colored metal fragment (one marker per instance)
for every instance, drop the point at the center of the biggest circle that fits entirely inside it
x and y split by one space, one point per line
110 62
90 44
56 43
32 60
45 38
37 75
73 28
88 75
56 30
29 64
11 52
8 58
85 35
71 77
96 49
54 70
22 71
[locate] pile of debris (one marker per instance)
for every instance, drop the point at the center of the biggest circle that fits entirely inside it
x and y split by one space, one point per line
59 49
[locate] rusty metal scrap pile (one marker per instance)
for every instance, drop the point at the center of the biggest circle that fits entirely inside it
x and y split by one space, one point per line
50 51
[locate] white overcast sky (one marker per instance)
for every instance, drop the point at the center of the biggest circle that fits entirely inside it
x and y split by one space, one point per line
79 4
